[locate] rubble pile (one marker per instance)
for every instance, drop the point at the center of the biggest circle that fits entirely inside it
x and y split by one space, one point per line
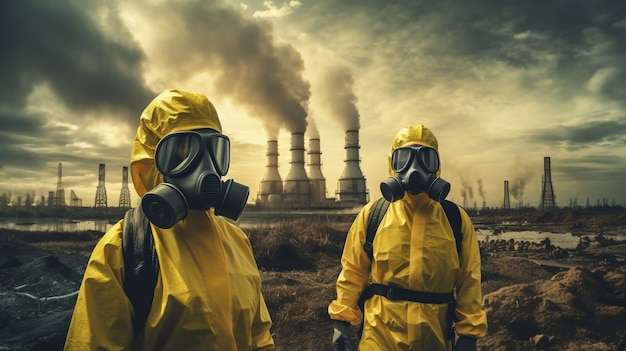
578 309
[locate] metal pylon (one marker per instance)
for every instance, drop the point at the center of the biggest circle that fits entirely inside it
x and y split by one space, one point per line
125 193
547 192
101 192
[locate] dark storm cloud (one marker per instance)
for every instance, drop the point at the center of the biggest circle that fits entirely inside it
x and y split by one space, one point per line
29 141
248 64
583 135
570 42
58 43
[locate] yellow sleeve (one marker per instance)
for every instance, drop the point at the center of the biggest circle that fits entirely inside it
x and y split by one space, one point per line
102 315
355 272
472 319
261 336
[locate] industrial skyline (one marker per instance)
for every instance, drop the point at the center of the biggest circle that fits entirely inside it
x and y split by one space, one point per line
501 84
308 188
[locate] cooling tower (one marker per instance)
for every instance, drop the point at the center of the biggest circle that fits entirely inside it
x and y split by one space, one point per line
318 183
351 186
297 188
271 185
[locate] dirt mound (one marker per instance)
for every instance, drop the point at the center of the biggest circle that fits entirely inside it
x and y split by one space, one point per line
37 295
577 309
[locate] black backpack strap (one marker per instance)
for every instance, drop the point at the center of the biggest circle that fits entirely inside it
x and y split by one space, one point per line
141 265
376 216
454 217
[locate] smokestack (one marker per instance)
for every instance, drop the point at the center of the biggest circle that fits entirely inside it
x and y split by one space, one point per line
271 185
507 200
297 188
318 183
351 186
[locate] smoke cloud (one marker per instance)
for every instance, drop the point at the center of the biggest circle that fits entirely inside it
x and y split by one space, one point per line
241 56
481 189
336 92
518 184
312 131
467 193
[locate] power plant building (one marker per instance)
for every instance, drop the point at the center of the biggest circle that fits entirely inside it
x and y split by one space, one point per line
307 188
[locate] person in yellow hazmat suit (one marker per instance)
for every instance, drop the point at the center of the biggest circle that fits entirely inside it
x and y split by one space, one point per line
208 291
417 273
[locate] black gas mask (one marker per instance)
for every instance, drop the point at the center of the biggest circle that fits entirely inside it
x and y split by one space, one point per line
416 168
192 164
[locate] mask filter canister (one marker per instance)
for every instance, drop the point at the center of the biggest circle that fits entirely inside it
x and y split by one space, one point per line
164 205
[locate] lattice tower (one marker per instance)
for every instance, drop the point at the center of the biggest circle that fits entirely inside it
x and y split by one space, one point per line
59 199
125 193
101 191
547 192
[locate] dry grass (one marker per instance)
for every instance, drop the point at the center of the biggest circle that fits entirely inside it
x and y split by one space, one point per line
299 262
79 242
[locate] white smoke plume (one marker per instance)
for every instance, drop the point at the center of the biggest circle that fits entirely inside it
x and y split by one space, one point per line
239 54
336 91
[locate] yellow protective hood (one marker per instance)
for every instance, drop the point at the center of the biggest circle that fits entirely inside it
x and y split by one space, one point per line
208 291
412 134
171 111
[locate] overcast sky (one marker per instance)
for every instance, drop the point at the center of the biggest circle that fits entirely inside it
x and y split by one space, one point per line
502 84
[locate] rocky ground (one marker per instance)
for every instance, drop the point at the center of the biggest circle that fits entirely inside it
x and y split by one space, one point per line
538 297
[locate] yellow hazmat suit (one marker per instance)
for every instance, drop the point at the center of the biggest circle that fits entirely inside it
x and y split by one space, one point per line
415 249
208 293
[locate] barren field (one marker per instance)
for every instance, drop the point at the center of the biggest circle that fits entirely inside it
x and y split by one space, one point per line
538 297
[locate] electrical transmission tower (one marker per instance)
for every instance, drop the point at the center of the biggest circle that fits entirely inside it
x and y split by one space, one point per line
125 193
507 200
547 193
59 198
101 192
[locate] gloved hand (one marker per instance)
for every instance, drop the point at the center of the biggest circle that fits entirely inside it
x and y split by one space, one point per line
465 343
342 337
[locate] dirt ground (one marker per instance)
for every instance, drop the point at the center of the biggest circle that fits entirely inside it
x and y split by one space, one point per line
537 296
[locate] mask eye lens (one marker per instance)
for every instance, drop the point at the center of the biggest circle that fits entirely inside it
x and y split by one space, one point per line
429 159
220 151
175 152
400 159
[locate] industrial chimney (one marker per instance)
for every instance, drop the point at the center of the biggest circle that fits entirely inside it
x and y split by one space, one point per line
297 188
271 185
351 186
318 183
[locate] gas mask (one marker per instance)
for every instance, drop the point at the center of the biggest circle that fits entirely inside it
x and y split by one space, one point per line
416 168
192 164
